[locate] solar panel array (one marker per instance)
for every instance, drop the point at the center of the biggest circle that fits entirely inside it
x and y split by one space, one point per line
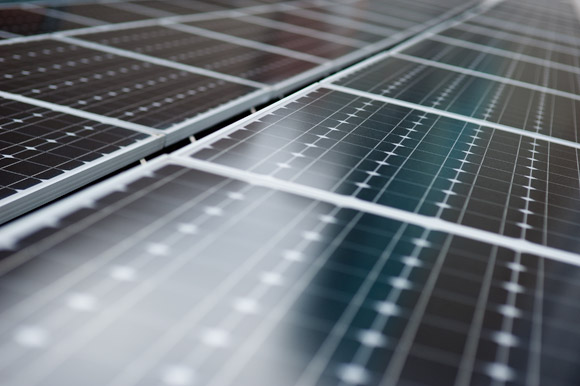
162 71
412 220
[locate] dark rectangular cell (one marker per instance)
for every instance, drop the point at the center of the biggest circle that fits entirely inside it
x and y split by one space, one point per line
511 68
111 85
319 25
200 51
352 12
161 267
23 22
415 12
101 12
38 145
179 7
233 4
411 160
523 38
549 23
510 43
469 95
560 13
307 44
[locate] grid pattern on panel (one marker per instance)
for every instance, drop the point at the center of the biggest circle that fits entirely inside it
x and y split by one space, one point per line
551 22
551 50
469 95
328 296
563 10
179 7
416 12
424 163
360 15
101 12
320 25
509 67
211 54
521 33
178 276
23 22
37 144
239 3
171 89
276 37
110 85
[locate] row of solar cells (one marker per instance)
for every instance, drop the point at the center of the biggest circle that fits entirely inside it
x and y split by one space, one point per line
410 221
125 90
478 132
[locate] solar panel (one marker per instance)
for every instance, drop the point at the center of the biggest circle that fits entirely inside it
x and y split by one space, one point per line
321 293
44 153
27 22
411 220
531 72
359 15
177 7
216 55
111 85
247 28
175 68
355 35
459 92
101 12
424 163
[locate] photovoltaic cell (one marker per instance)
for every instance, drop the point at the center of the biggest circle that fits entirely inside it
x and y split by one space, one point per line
327 296
200 51
360 15
179 7
469 95
22 22
554 52
407 159
319 25
101 12
37 146
411 12
276 37
111 85
519 30
564 14
236 3
548 23
511 68
172 98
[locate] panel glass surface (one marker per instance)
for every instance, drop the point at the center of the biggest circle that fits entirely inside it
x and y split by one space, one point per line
312 23
111 85
236 3
179 7
101 12
550 23
513 67
314 294
276 37
200 51
551 49
22 22
353 12
407 159
400 9
523 34
472 96
37 145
